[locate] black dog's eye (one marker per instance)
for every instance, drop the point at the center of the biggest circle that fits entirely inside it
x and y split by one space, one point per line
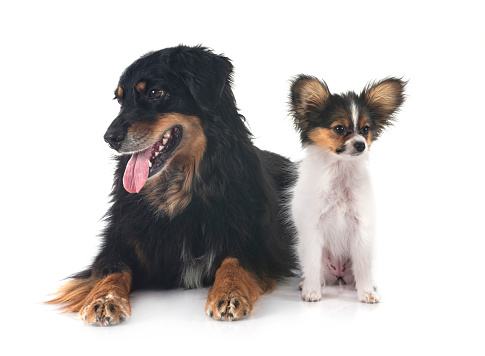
365 130
340 129
156 93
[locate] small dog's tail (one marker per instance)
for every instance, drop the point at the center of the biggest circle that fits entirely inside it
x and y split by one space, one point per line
71 296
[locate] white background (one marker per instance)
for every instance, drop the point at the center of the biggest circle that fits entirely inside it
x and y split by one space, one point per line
60 64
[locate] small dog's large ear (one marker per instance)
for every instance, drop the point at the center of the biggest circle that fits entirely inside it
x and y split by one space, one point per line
308 96
384 98
204 73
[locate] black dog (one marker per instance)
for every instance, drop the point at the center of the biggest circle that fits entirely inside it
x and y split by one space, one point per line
194 202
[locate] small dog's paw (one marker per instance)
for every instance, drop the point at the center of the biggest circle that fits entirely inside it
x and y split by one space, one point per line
370 297
311 296
105 311
228 306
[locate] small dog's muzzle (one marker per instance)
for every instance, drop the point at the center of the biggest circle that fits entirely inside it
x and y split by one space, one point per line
359 146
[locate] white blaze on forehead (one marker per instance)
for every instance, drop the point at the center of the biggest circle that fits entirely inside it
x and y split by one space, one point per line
355 115
356 137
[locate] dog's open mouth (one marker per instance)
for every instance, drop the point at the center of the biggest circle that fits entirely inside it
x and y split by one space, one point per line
144 164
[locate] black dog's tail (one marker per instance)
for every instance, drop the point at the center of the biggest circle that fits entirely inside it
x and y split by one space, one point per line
71 296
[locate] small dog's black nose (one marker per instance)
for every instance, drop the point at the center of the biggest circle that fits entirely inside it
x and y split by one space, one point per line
114 138
359 146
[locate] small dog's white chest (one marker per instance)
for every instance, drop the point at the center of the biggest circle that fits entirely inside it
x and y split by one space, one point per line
338 219
333 196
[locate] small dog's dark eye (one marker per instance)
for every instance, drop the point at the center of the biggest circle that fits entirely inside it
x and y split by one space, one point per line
340 129
365 130
156 93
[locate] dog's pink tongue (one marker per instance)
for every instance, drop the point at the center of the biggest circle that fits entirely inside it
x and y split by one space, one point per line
136 172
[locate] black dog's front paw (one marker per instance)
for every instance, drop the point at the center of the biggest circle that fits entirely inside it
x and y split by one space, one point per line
227 306
234 292
106 311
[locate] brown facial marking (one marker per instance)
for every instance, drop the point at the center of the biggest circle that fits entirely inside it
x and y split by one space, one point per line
342 121
141 86
326 138
98 301
171 191
119 92
234 291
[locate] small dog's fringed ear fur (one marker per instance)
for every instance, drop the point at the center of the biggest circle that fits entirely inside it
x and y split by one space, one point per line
308 96
384 98
208 75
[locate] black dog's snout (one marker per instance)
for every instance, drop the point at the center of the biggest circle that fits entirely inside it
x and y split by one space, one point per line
114 138
359 146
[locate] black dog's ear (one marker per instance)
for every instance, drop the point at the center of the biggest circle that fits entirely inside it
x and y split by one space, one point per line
384 98
204 73
308 96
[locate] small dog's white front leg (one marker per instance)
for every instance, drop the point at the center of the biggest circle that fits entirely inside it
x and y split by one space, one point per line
311 264
362 268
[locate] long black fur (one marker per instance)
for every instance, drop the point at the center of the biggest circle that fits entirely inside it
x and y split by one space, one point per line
236 209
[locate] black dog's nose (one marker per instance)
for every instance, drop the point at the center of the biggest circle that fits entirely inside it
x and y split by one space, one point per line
114 138
359 146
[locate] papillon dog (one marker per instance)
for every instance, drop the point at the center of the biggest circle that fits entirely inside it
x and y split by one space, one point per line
331 202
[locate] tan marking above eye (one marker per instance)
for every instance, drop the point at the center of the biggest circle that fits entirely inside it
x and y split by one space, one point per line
342 121
140 87
119 92
363 121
